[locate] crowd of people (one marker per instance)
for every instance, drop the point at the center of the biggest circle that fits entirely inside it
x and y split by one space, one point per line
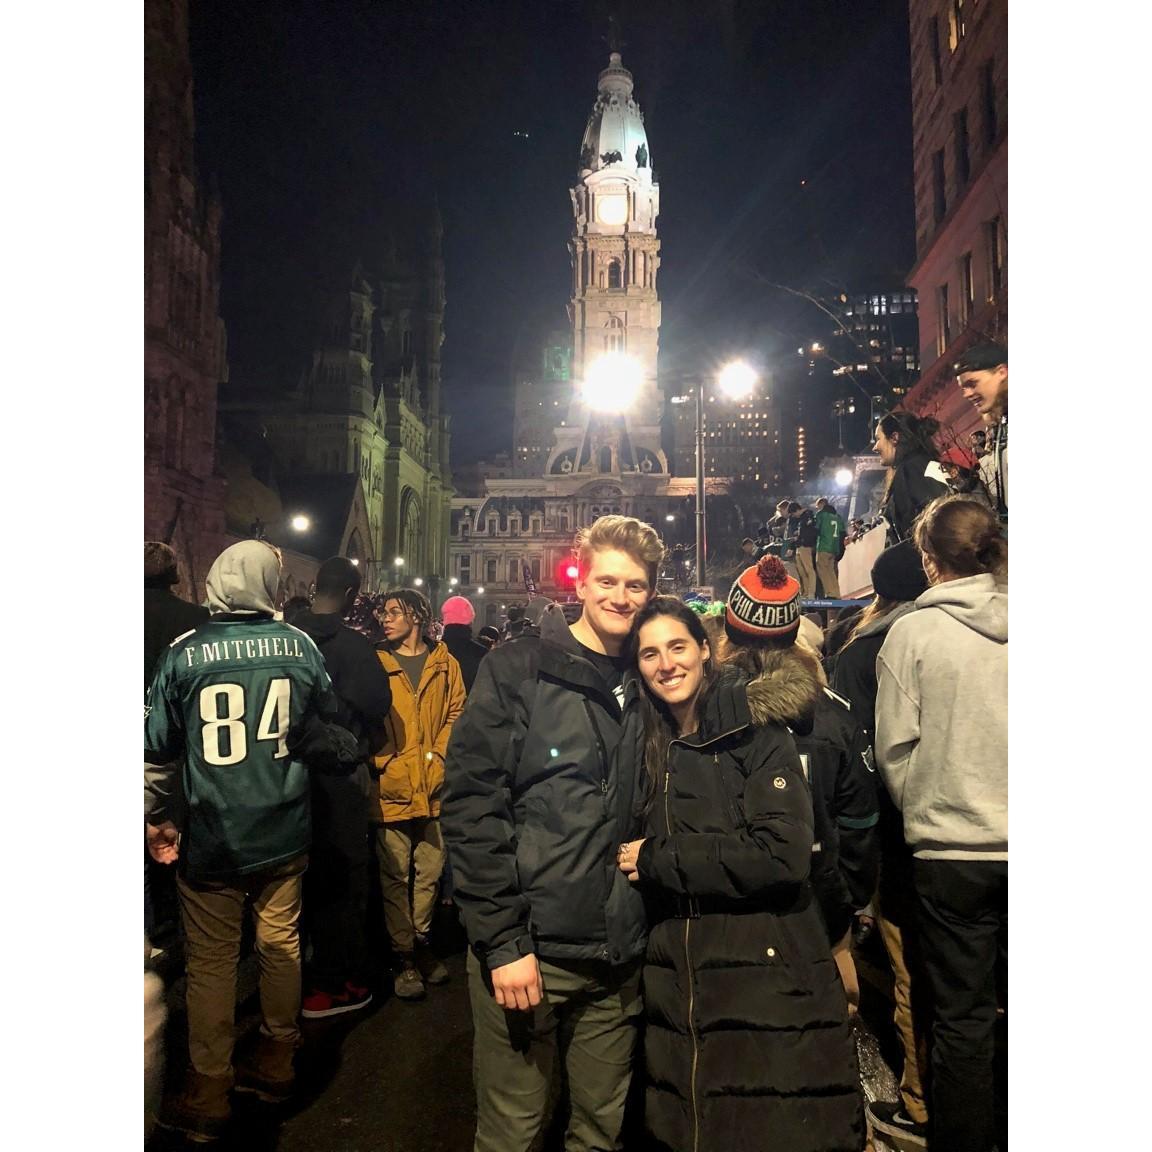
658 821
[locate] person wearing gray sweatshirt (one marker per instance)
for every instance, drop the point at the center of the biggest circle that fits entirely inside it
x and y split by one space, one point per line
942 748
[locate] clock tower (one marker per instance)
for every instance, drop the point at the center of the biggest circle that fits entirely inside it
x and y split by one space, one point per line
615 307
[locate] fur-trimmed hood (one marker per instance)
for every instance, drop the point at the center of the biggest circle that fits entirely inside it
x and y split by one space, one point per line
787 690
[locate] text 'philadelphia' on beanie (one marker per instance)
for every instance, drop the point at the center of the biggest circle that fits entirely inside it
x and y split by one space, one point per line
763 605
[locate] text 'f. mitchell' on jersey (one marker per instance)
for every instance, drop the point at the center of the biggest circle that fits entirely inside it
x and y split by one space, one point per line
228 698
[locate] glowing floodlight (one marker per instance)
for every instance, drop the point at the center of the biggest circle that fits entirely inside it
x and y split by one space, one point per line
843 477
612 382
737 380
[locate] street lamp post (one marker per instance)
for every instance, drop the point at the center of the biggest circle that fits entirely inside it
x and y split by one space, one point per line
736 381
701 512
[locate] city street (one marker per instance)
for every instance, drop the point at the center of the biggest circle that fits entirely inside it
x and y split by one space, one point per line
397 1076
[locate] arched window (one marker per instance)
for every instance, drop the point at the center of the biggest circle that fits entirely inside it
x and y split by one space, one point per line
614 335
614 274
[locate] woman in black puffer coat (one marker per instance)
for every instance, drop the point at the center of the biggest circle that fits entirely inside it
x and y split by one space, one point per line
748 1043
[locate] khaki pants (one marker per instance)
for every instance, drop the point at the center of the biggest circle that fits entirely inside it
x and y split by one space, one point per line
409 852
589 1015
826 566
213 915
806 572
911 1027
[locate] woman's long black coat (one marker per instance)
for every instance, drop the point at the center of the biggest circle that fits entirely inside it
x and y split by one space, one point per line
748 1043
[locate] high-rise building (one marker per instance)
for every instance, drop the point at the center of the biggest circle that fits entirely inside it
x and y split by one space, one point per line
184 340
960 159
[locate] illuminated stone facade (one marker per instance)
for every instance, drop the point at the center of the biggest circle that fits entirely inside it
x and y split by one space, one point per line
960 159
184 341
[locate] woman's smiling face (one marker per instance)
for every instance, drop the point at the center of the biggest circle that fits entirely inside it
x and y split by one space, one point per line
671 664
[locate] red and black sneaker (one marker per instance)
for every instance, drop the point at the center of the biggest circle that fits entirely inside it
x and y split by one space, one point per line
318 1004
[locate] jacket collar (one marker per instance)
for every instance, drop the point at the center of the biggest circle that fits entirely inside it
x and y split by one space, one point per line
561 657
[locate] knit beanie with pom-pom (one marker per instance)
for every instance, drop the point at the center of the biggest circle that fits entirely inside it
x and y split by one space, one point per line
764 605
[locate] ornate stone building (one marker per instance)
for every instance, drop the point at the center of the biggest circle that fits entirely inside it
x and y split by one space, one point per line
184 343
960 161
368 407
570 463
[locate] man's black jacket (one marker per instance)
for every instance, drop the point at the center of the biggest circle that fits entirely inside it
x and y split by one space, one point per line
363 691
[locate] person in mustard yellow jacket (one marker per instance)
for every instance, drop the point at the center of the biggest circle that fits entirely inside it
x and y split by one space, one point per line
427 696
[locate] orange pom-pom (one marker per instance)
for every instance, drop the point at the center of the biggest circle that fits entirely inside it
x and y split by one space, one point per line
771 571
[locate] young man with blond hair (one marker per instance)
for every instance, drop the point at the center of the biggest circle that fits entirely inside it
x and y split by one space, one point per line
542 783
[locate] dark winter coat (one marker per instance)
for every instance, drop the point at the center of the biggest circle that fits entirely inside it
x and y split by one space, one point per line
806 530
855 678
541 786
748 1043
837 764
468 652
363 691
911 491
165 617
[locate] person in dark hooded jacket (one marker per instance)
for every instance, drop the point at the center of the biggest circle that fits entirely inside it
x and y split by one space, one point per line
336 884
897 580
748 1043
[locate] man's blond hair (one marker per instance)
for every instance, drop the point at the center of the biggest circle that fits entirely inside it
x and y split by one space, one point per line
622 534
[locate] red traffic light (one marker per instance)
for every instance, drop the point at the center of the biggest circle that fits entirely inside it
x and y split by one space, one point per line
566 573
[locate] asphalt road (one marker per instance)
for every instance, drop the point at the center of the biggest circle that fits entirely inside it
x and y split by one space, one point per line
396 1077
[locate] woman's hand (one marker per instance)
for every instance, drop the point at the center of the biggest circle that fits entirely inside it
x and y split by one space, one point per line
626 858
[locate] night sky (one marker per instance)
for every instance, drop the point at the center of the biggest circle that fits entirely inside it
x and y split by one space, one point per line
780 133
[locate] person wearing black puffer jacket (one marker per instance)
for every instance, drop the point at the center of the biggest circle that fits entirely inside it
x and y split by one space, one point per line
786 685
748 1042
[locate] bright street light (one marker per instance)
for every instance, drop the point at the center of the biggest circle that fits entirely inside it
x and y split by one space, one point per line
479 591
418 581
612 381
301 523
452 582
670 518
737 380
355 563
843 477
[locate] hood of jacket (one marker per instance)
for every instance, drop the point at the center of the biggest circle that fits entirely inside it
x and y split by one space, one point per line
787 690
881 624
457 633
319 625
244 580
977 602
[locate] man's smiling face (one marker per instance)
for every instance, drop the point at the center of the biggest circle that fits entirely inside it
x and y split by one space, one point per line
986 390
613 590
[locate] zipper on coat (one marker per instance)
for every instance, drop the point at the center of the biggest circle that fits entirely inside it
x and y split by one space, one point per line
600 746
692 1033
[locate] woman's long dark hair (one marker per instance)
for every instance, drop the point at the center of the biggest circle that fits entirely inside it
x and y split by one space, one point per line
659 726
914 433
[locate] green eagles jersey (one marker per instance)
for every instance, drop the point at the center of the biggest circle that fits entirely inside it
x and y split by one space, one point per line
226 697
831 531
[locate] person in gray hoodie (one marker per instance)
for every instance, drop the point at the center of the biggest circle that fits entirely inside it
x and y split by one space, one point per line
942 747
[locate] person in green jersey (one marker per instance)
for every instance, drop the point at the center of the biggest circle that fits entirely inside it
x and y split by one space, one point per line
238 699
829 547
